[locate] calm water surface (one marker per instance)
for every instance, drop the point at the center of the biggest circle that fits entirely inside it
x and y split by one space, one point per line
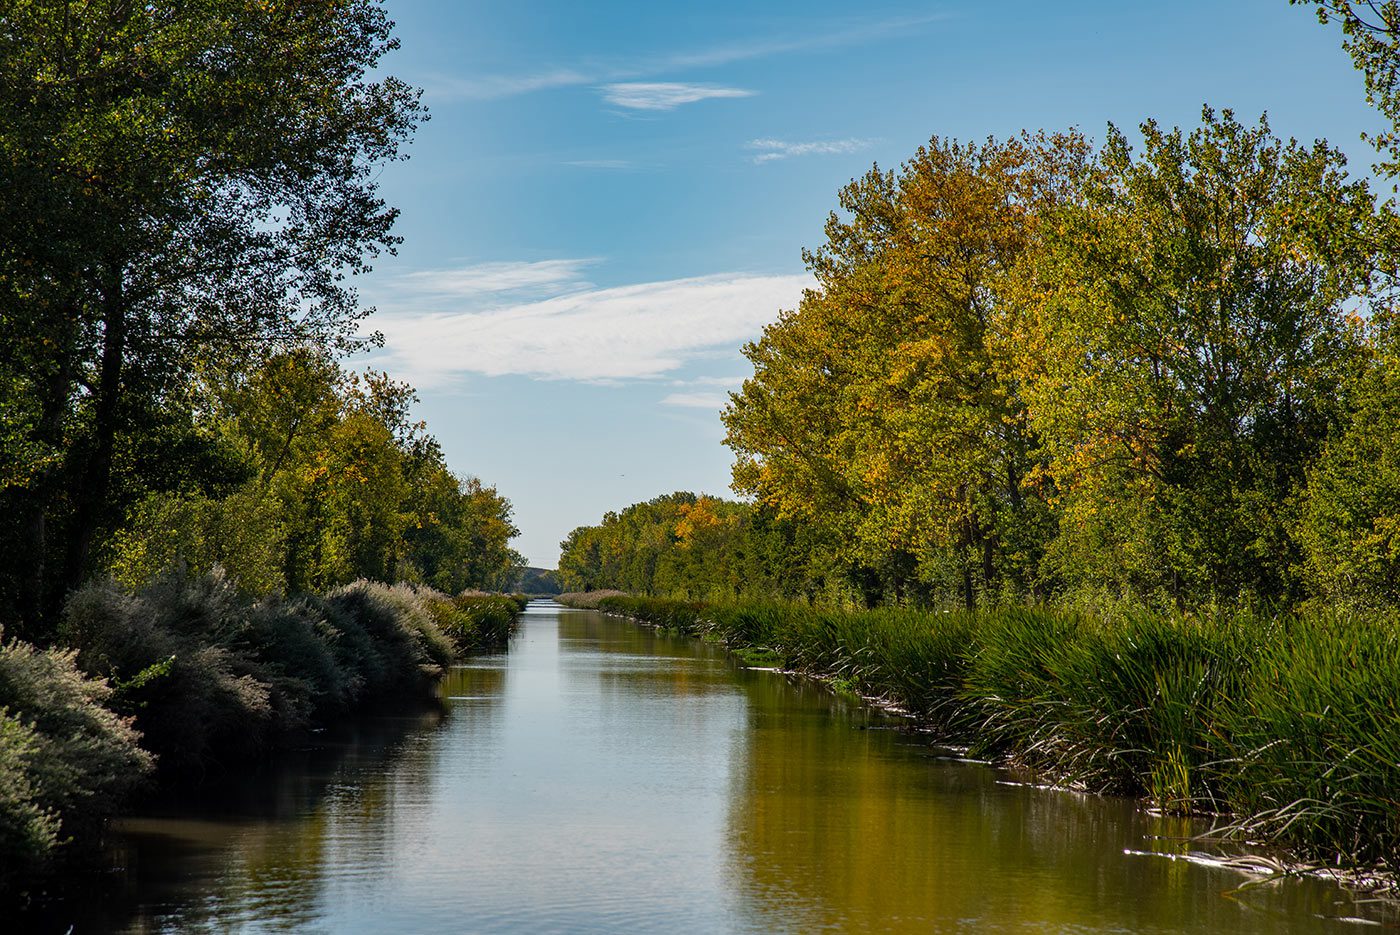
604 778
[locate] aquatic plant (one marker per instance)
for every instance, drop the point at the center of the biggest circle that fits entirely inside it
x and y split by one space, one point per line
1288 724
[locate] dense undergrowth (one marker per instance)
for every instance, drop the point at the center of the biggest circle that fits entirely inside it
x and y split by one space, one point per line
189 674
1290 724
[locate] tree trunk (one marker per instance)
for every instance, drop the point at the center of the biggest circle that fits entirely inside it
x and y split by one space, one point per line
92 483
42 494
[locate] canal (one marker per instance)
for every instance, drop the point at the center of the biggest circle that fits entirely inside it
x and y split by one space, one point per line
602 777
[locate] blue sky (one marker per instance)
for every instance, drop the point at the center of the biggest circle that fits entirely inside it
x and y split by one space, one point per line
611 198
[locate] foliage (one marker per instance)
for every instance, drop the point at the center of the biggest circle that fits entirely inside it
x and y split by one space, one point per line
684 545
540 581
341 484
588 600
473 620
1371 35
1034 369
878 409
1180 342
1285 722
211 675
65 759
1348 523
184 185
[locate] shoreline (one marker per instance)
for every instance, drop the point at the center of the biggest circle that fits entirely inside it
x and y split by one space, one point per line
1377 880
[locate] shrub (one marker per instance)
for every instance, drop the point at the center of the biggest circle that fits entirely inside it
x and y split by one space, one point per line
587 600
171 652
66 762
210 675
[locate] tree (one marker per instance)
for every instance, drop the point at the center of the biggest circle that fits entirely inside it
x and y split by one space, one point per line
1350 518
182 183
879 407
1371 34
1183 338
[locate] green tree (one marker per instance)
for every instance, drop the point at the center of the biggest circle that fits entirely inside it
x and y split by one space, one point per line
182 183
879 407
1182 340
1371 35
1350 521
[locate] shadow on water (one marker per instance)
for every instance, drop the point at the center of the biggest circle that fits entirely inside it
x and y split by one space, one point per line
257 846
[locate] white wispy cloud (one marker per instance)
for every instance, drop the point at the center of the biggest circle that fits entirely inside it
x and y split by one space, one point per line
601 163
639 331
494 87
833 34
770 150
485 278
726 382
665 95
697 400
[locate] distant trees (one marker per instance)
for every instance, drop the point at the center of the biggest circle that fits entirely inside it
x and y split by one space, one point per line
685 546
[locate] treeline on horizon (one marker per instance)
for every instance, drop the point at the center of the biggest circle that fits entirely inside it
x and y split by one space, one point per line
1038 369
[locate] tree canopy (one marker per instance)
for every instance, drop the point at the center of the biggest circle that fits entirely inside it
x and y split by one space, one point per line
185 185
1037 368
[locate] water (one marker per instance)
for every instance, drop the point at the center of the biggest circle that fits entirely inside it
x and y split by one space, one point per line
601 777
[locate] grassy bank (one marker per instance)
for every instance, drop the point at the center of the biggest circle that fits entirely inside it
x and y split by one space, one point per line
587 600
190 675
1289 724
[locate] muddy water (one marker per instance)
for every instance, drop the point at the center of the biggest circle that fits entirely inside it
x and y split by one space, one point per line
600 777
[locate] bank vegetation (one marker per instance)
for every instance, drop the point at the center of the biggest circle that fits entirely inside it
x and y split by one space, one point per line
1086 454
200 502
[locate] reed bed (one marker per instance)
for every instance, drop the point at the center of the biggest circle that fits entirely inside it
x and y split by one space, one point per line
587 600
1288 724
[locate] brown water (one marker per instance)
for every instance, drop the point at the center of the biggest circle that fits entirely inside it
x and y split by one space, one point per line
601 777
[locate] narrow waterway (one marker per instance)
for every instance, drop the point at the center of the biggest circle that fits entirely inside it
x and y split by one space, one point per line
601 777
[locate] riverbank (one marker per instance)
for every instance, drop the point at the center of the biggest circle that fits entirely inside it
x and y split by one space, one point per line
190 676
1288 725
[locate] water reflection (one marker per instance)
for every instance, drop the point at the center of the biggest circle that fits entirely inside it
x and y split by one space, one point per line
603 777
838 825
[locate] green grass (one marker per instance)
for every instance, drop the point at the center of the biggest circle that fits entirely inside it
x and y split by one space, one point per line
759 657
1289 724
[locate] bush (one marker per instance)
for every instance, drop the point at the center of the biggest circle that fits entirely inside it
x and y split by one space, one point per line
211 675
587 600
66 762
394 637
484 621
208 676
171 651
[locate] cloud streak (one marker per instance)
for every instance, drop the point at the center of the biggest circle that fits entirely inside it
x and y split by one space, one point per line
638 331
712 401
665 95
486 278
614 164
836 34
771 150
